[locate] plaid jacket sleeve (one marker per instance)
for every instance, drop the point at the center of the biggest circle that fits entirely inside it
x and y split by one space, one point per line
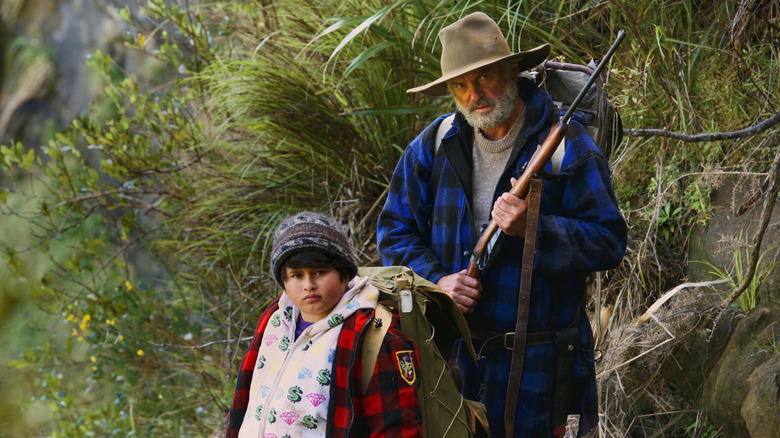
403 228
241 396
586 232
390 408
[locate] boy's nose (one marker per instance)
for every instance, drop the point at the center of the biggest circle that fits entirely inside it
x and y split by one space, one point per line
309 284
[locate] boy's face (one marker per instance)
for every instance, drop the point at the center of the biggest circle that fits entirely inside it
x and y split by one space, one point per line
315 291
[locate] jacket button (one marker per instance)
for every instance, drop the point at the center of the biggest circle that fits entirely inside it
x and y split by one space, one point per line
466 253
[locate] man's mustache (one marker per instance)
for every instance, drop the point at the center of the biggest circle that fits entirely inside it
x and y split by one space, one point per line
483 101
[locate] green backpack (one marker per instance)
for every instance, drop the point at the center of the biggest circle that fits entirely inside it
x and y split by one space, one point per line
564 81
430 318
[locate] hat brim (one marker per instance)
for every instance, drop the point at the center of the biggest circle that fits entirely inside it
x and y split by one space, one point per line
526 60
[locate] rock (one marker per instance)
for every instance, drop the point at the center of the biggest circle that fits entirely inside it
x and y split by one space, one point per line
67 31
704 352
725 391
707 371
728 232
762 404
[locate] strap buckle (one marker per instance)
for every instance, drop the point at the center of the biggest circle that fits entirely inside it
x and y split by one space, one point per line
509 340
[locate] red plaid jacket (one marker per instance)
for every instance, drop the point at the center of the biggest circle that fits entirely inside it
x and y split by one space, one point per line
389 407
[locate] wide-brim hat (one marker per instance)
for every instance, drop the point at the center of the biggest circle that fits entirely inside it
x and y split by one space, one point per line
473 42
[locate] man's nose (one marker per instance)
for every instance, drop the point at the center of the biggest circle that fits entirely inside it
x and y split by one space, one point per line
308 283
475 93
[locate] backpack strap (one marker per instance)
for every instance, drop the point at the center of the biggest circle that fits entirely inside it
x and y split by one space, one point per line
444 126
372 342
557 157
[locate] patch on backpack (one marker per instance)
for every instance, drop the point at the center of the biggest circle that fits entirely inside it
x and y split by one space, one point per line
406 366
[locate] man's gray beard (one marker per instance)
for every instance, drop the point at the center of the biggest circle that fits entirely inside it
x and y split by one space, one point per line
502 109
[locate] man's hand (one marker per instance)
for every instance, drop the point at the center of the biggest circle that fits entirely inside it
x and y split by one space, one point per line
509 213
464 290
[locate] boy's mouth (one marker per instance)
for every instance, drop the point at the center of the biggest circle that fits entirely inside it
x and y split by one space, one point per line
311 297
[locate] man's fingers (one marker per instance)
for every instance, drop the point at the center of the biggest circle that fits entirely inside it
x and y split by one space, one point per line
509 201
464 290
467 280
465 304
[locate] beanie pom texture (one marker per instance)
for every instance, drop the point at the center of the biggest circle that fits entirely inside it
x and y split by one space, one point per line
305 231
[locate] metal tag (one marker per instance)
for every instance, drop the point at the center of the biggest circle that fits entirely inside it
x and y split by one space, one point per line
407 304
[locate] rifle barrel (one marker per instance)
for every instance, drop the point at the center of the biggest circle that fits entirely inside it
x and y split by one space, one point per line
596 72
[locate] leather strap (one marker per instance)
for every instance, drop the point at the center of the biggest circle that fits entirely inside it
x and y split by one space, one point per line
492 341
521 326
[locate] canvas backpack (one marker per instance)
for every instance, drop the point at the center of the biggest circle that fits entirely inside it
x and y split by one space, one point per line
431 319
564 81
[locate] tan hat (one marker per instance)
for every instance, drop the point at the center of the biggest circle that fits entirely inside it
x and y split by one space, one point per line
472 42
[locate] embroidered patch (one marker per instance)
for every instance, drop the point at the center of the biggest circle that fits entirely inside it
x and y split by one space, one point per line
406 366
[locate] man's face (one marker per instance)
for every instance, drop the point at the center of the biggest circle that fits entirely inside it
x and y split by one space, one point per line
485 96
315 291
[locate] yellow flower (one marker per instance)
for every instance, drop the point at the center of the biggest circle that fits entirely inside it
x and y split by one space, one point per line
110 321
140 352
85 322
93 359
128 286
74 333
81 338
94 368
121 337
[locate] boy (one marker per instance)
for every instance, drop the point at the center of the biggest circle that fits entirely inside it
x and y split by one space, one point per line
301 375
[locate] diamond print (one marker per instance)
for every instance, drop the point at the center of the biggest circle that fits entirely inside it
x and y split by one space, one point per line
289 417
304 373
316 399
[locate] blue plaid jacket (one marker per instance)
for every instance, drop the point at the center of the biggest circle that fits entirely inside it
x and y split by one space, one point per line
427 224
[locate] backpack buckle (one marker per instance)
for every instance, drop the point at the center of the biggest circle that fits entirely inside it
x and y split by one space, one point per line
509 340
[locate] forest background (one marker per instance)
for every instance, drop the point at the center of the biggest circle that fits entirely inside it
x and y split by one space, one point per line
135 237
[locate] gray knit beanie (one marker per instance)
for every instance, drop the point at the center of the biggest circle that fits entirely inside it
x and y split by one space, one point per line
309 230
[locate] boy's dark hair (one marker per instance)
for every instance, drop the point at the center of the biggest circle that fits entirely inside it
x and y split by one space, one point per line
306 232
315 258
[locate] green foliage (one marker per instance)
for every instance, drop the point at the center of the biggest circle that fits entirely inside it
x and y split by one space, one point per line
736 275
695 424
774 344
668 220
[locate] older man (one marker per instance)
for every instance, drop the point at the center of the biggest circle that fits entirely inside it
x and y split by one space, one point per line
445 189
